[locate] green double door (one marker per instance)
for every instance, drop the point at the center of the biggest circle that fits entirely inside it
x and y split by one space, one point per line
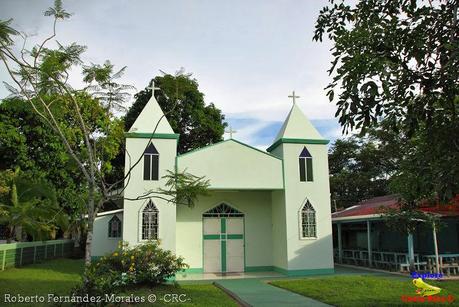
223 244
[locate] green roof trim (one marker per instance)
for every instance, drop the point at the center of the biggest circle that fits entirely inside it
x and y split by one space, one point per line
297 141
146 135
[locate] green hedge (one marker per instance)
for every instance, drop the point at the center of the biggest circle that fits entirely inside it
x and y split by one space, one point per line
23 253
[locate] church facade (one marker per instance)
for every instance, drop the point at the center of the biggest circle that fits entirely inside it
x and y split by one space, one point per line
266 210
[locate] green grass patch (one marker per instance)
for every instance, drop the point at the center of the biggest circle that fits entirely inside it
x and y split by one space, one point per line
362 290
61 275
55 276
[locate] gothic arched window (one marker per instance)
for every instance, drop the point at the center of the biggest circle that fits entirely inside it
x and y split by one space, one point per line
150 222
305 163
308 221
114 227
150 163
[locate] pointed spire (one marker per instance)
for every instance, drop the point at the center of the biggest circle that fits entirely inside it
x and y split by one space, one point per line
297 126
149 118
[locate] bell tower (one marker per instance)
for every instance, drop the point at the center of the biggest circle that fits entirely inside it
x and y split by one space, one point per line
151 150
305 203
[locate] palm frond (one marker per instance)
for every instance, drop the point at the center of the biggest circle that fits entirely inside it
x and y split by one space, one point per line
6 31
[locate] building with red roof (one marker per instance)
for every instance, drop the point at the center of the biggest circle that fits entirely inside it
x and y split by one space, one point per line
360 235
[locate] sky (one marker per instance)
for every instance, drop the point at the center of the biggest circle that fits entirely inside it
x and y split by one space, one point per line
247 56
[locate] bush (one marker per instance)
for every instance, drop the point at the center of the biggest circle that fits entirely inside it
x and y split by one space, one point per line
144 264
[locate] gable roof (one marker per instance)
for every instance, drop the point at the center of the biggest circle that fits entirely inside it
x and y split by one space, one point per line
297 126
149 118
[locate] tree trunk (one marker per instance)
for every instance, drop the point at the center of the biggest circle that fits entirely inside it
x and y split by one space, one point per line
87 257
18 233
91 211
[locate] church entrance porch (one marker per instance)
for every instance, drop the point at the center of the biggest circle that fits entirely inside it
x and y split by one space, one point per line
223 240
227 232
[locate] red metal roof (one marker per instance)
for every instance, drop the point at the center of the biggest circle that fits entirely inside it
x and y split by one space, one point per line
372 206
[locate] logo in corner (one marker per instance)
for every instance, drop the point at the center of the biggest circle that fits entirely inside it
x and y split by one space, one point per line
424 289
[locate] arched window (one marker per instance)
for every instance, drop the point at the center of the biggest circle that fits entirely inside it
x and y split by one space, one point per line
305 162
150 163
150 222
308 221
114 227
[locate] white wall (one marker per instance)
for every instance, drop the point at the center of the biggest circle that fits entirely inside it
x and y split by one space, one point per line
102 244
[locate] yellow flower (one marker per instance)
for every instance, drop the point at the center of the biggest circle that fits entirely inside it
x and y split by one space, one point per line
115 254
132 257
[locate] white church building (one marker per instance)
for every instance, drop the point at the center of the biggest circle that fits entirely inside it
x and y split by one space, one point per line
266 211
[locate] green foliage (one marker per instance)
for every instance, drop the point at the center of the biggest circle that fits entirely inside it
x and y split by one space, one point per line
29 204
429 168
184 188
406 218
27 142
111 94
144 264
6 32
360 169
183 104
397 60
57 11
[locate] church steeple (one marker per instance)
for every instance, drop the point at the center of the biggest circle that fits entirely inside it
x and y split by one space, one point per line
297 129
297 126
149 117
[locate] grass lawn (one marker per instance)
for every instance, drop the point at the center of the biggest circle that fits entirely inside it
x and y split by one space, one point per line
362 290
61 275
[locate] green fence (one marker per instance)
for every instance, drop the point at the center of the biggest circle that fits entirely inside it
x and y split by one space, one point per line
23 253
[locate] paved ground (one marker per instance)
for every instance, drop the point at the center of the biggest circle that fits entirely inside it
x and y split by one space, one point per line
256 292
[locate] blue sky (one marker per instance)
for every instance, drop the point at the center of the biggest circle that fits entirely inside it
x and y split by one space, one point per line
247 56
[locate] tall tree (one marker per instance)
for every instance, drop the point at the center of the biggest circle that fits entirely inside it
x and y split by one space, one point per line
397 60
197 123
41 77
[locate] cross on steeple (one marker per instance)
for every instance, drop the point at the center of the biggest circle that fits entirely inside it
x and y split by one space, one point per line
293 96
230 131
152 87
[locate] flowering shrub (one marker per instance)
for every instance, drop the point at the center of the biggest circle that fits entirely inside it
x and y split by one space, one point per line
145 263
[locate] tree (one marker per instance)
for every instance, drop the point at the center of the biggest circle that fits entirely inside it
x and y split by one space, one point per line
101 78
197 123
27 206
41 78
397 60
25 143
357 171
